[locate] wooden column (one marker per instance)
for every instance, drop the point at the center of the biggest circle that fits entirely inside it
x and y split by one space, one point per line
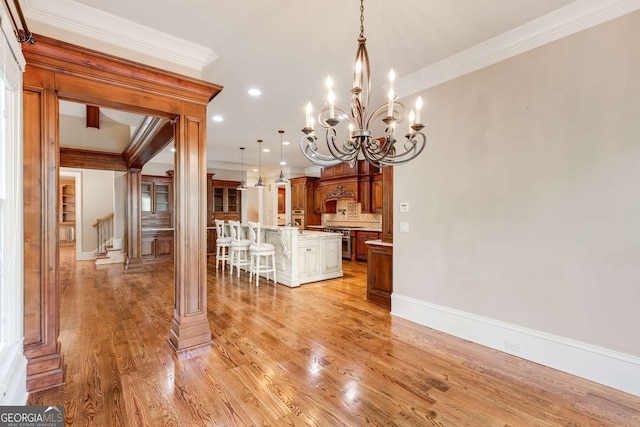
59 70
134 223
387 204
190 327
41 311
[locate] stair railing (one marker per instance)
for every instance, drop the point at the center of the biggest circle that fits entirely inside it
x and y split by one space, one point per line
104 229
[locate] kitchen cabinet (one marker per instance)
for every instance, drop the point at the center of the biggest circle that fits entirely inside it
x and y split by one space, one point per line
157 245
360 183
156 217
380 274
361 247
308 258
330 256
157 201
223 202
303 201
377 190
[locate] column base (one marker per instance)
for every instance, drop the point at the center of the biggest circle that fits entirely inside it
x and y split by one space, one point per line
187 334
134 265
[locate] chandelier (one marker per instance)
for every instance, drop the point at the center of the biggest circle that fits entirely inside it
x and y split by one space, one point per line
379 152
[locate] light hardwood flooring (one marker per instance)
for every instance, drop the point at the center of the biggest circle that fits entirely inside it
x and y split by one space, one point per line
316 355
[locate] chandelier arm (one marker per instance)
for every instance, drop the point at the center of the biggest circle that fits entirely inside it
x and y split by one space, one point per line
307 144
415 144
348 151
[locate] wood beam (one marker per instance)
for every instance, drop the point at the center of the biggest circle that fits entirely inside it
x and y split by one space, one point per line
86 159
93 116
144 147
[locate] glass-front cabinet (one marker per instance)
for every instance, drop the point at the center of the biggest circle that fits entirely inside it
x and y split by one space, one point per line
156 206
223 202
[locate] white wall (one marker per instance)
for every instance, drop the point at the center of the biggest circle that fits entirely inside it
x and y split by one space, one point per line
525 207
97 202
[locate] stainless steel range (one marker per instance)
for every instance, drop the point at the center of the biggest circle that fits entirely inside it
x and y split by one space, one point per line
347 240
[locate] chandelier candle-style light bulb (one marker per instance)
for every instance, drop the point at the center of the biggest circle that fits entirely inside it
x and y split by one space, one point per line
309 119
418 109
378 150
331 98
392 78
412 118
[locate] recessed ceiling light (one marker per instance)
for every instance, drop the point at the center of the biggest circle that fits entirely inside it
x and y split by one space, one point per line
285 142
217 118
173 149
254 92
282 163
265 150
255 170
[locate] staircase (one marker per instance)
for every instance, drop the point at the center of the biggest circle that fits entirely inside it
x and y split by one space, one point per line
109 250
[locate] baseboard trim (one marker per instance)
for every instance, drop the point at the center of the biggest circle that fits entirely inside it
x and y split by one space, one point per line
604 366
13 390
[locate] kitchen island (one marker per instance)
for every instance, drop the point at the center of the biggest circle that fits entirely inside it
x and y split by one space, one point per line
304 256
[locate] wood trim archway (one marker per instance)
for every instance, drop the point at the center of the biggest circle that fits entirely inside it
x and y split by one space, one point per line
58 70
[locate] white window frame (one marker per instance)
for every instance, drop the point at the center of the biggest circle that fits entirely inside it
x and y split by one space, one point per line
12 360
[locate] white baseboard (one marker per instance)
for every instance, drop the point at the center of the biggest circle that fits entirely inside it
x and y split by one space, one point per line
601 365
13 381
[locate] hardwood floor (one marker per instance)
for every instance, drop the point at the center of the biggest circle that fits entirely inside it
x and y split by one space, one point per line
316 355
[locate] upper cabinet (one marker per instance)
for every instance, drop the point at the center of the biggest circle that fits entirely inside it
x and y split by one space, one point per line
156 217
223 201
303 196
157 201
357 183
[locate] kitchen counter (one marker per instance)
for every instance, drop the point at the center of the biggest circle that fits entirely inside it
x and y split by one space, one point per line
346 227
304 256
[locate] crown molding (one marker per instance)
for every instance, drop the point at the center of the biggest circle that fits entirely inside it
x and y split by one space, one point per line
96 24
563 22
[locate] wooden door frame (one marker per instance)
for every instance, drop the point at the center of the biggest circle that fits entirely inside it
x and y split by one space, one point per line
57 70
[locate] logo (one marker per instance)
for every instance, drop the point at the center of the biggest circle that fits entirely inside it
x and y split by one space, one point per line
31 416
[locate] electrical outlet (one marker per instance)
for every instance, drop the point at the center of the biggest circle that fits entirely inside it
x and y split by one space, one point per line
512 345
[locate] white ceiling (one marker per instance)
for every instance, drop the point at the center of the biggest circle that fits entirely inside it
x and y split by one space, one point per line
287 48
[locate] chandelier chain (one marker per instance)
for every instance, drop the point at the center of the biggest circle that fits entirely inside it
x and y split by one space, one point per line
361 18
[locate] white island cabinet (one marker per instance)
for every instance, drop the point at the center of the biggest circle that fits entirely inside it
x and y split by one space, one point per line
305 256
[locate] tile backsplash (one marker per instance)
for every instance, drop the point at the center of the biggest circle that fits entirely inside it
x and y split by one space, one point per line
349 214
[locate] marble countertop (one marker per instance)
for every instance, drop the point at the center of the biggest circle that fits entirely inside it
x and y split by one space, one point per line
379 230
378 243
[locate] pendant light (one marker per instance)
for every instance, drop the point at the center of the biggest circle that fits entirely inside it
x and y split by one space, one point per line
281 179
243 185
259 184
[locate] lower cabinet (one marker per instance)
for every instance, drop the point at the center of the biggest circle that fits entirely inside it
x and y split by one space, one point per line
308 258
331 256
361 246
380 274
157 245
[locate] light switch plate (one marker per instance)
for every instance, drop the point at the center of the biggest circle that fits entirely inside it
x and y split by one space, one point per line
404 227
404 207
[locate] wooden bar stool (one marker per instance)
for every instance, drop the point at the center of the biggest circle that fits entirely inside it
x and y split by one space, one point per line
257 251
239 254
223 244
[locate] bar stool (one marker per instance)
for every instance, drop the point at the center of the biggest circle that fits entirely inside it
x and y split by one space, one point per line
223 244
257 250
239 254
